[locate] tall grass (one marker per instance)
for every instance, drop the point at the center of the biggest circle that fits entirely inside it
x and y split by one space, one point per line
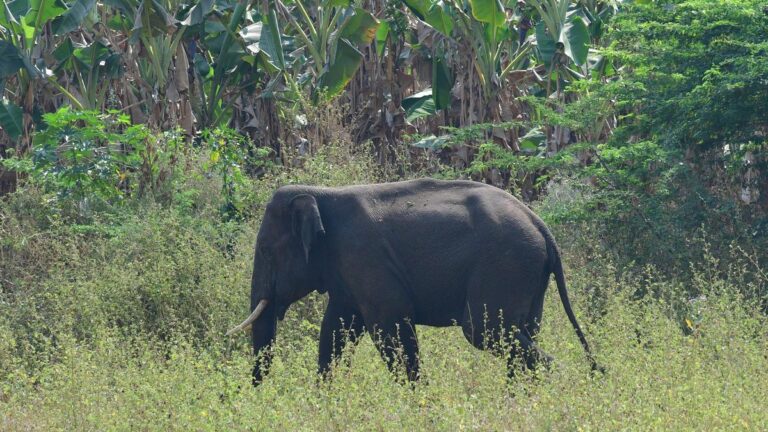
658 378
119 326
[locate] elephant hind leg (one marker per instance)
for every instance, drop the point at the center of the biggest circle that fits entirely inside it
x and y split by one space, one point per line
506 336
533 321
525 348
529 350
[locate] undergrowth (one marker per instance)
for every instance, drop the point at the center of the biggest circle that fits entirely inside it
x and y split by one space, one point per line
118 324
658 377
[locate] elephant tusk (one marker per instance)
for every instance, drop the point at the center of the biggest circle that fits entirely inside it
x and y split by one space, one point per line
251 318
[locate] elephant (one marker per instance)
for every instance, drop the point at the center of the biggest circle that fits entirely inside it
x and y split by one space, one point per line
395 255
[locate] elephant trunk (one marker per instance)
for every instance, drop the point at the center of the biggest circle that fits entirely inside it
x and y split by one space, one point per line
264 327
263 335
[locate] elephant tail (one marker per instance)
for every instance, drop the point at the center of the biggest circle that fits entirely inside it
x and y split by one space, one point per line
556 267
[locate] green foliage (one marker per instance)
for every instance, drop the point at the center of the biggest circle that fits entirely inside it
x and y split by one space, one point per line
702 66
228 153
674 146
694 51
86 158
528 168
79 154
90 162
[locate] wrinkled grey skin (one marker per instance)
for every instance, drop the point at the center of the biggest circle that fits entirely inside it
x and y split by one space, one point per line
393 256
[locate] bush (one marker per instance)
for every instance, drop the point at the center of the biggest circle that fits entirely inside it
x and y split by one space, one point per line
89 161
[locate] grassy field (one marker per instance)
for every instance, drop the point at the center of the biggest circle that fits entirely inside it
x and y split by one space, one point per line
118 325
657 379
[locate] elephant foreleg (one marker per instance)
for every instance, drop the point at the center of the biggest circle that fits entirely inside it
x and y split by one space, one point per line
340 325
398 346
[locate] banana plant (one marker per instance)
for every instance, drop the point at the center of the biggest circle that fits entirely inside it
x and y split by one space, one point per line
561 30
91 67
235 48
154 36
485 29
24 48
436 14
11 115
598 13
492 38
330 33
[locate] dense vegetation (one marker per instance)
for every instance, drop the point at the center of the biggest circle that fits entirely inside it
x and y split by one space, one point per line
141 141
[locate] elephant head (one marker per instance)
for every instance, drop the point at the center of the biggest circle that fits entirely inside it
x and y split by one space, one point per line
285 267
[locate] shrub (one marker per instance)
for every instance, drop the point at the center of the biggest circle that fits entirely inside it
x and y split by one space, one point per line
88 160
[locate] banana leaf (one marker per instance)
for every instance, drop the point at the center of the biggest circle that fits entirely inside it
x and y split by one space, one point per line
11 119
339 73
419 105
73 17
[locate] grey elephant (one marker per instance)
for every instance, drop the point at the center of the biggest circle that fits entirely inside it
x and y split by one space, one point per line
395 255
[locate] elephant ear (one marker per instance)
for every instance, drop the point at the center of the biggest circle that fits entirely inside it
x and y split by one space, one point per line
307 224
